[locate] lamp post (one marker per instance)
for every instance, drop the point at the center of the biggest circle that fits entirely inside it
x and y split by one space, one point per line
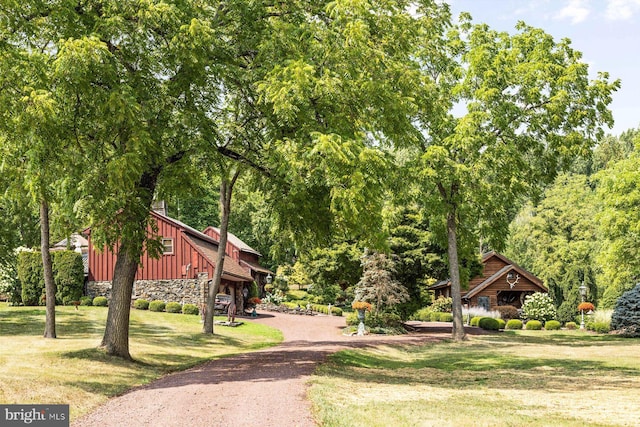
583 295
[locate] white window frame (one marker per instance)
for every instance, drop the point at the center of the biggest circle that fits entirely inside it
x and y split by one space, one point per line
165 245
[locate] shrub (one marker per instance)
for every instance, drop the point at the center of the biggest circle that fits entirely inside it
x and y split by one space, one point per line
173 307
68 276
31 276
423 315
507 312
626 313
476 311
86 301
600 327
442 304
488 323
190 309
157 305
445 317
571 325
552 325
141 304
336 311
501 323
533 325
100 301
538 306
475 320
434 316
514 324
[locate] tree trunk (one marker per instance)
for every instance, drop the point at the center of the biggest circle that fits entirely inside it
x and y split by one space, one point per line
226 191
458 332
116 333
49 284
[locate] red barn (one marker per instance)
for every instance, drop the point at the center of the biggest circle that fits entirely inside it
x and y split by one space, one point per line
182 274
502 282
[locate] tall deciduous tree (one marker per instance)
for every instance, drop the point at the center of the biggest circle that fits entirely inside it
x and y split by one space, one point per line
530 107
125 80
557 240
619 224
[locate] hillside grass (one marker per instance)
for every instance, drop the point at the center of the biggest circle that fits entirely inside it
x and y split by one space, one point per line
524 378
71 369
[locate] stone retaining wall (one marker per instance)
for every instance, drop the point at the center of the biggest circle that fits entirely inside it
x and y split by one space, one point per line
184 291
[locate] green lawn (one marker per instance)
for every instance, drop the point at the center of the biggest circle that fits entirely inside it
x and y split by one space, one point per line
71 369
525 378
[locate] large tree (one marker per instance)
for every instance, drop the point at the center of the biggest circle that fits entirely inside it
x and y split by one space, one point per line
557 240
512 110
316 88
124 79
619 224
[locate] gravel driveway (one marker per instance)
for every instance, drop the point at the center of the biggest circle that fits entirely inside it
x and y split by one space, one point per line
265 388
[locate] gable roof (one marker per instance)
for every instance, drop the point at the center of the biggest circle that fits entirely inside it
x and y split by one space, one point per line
509 266
235 241
232 270
208 248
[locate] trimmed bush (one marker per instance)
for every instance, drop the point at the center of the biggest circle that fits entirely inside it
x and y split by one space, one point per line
445 317
571 325
173 307
68 276
336 311
501 323
141 304
100 301
157 305
507 312
488 323
533 325
514 324
31 277
552 325
474 321
88 301
190 309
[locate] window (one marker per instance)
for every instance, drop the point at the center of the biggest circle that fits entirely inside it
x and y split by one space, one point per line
167 245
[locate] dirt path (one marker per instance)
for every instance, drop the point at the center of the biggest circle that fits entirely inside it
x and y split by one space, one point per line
266 387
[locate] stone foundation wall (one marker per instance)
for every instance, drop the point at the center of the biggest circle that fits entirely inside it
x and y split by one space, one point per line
184 291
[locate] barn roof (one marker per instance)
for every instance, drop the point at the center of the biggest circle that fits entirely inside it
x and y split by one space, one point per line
509 266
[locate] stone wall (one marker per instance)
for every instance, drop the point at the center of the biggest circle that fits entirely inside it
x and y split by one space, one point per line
184 291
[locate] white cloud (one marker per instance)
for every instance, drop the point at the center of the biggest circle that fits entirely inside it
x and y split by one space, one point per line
621 10
576 11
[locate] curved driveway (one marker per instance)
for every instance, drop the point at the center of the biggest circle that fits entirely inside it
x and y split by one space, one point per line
265 388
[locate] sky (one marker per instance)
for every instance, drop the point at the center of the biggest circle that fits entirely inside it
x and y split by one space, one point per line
607 32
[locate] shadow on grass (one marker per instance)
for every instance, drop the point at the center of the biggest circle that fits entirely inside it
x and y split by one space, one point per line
452 366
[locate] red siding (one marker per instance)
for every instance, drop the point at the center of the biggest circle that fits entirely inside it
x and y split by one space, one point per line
169 266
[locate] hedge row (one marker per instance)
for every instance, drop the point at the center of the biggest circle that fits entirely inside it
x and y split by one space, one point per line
170 307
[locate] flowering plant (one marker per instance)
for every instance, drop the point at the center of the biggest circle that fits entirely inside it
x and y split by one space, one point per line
254 300
586 306
361 305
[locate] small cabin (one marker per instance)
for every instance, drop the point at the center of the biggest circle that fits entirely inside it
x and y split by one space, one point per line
502 282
